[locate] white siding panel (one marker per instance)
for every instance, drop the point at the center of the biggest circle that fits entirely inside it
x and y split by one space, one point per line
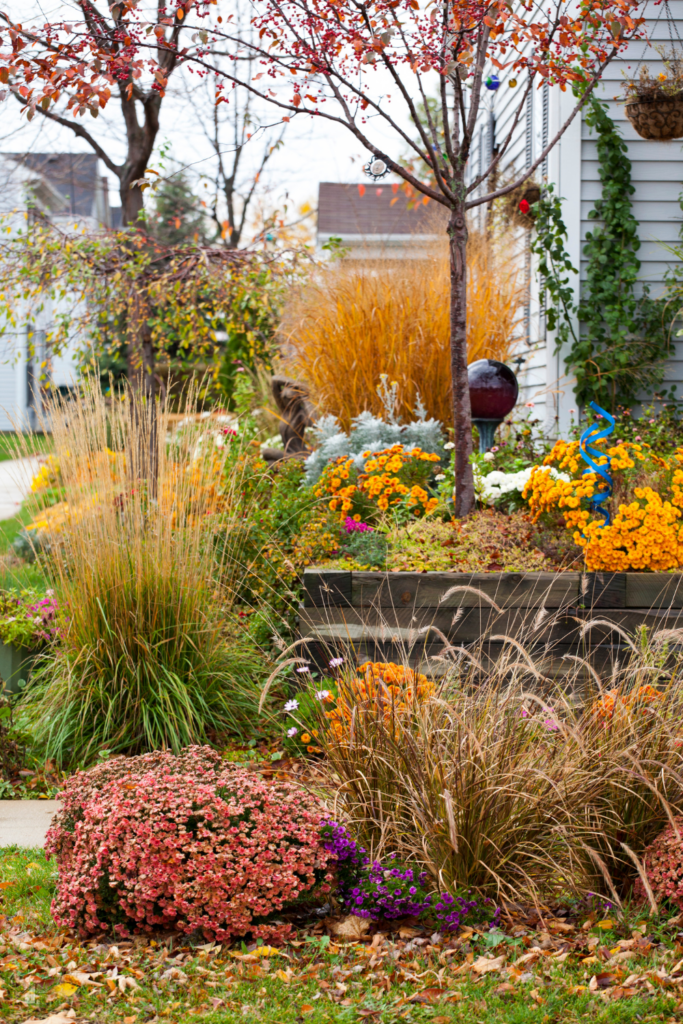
657 176
656 173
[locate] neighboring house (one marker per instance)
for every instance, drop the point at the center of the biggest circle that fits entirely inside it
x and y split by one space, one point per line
657 174
76 177
67 189
377 221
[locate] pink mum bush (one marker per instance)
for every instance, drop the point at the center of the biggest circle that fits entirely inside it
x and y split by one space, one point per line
663 861
188 842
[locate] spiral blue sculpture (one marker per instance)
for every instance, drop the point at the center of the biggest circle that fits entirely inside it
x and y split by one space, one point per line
590 452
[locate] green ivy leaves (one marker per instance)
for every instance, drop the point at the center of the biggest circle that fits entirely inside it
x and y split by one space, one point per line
619 354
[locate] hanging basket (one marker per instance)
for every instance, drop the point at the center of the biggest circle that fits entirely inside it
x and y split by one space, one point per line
529 193
657 118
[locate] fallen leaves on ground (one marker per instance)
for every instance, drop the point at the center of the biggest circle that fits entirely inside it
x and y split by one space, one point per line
346 970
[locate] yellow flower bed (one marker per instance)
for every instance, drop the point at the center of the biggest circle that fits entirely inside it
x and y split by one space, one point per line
645 532
391 477
49 475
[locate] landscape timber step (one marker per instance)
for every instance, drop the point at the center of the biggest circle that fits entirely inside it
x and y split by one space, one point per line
405 613
554 661
467 625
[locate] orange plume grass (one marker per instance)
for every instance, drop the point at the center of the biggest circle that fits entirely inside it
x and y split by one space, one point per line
359 320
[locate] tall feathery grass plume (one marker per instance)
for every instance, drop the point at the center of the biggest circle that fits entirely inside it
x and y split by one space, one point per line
361 319
143 552
504 767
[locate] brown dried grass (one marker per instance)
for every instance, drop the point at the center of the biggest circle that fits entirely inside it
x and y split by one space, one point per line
506 781
358 321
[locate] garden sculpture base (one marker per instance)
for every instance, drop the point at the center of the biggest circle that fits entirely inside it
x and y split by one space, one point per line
411 616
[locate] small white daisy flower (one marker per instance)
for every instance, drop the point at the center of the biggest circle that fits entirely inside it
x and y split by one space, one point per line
449 446
292 705
304 668
292 732
440 476
322 694
336 662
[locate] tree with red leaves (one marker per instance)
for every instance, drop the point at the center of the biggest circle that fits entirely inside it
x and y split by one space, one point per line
63 70
321 58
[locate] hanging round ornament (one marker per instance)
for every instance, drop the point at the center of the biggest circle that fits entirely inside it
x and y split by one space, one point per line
524 206
512 83
492 82
376 169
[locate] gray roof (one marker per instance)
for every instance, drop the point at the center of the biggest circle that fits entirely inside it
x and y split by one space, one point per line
375 209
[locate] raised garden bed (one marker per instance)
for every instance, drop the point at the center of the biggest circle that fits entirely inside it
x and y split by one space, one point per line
394 616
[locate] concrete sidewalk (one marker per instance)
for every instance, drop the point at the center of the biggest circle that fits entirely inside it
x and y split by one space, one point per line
25 822
15 483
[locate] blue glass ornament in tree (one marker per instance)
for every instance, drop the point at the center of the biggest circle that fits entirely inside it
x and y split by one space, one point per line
492 82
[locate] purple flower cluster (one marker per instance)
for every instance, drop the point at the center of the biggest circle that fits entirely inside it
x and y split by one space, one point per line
44 613
353 526
375 890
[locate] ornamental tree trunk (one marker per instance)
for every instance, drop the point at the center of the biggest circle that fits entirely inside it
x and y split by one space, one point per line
140 140
462 413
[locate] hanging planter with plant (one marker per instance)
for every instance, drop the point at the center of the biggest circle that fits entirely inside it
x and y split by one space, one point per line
517 205
654 105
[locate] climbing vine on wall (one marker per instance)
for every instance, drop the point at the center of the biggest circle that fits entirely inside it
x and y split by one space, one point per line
554 267
623 342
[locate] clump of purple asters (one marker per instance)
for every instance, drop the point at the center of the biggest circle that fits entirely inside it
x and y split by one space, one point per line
352 525
390 890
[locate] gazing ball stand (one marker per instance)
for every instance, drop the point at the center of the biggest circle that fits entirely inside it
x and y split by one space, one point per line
493 394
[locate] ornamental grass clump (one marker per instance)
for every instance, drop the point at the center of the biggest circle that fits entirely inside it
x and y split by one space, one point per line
456 780
147 657
628 763
353 323
185 842
500 779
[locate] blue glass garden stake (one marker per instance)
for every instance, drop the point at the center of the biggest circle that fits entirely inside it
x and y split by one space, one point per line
589 437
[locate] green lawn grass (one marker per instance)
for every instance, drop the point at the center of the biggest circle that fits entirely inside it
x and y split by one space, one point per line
9 528
311 980
17 446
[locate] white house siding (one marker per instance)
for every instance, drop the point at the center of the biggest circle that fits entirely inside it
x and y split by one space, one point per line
657 174
20 372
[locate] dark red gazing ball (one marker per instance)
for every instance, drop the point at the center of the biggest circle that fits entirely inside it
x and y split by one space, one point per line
493 389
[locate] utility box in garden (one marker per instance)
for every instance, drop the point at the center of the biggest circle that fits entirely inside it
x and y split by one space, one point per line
15 663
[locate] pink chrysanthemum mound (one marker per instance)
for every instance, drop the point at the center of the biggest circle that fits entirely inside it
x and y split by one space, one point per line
663 861
187 842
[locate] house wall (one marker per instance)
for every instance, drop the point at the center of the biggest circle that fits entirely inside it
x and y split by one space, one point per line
21 364
657 174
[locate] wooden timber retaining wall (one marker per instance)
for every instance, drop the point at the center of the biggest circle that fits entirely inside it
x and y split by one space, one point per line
405 616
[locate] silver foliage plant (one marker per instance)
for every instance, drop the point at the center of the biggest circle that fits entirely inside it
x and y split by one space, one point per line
370 433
